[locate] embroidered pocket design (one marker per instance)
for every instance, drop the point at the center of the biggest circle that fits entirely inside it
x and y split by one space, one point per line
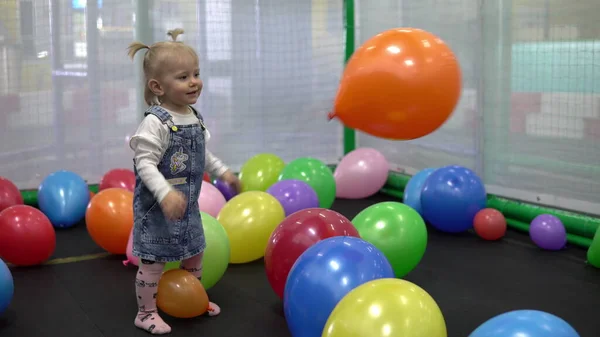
178 160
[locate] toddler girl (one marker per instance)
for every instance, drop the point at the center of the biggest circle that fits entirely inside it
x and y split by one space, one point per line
169 162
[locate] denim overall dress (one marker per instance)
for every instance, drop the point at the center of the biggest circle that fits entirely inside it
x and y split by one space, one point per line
156 238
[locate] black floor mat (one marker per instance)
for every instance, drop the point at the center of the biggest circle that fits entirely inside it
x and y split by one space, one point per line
471 280
74 241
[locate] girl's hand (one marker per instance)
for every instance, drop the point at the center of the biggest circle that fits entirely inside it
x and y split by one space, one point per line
174 205
232 180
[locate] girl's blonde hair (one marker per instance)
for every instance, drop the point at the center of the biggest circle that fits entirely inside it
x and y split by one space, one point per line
158 58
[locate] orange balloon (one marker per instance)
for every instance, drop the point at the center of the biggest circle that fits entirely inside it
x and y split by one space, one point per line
109 219
181 295
401 84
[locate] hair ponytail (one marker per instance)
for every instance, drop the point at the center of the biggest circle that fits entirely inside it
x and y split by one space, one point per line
174 33
134 47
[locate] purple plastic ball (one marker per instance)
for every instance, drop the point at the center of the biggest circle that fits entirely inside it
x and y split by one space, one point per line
294 195
227 190
548 232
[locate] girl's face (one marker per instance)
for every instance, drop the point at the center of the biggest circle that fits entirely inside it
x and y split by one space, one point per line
181 84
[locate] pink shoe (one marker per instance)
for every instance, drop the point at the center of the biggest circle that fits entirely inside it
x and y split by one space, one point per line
213 309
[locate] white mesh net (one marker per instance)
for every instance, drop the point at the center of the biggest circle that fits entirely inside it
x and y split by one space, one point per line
529 117
69 93
552 141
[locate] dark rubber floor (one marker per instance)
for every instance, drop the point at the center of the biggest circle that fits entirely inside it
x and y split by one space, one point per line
471 280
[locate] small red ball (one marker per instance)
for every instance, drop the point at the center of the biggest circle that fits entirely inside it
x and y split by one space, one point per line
489 224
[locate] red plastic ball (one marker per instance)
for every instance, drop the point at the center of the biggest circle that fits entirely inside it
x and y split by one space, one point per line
27 237
9 194
295 235
489 224
118 178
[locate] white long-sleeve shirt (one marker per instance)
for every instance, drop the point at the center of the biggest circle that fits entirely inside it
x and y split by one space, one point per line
149 144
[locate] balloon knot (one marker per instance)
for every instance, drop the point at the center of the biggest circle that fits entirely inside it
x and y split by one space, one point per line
330 116
126 263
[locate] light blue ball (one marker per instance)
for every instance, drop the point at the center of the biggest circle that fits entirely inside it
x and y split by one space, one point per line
63 197
525 323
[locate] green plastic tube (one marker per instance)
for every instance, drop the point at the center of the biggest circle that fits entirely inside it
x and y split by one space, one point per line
397 180
29 197
576 224
349 134
393 193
